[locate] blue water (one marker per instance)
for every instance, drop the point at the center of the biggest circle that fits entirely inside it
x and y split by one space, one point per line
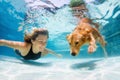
60 22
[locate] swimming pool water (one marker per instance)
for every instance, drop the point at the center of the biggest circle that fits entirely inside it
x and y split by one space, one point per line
59 22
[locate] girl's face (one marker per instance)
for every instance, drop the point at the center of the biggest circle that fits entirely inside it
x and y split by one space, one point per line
40 42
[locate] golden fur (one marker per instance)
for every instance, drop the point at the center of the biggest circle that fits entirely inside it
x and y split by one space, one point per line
85 33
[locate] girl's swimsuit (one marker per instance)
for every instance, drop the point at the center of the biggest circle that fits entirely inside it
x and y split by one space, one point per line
30 56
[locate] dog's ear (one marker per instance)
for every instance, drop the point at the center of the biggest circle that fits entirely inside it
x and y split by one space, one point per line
67 36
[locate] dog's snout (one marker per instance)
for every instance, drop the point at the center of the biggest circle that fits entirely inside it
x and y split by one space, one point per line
73 54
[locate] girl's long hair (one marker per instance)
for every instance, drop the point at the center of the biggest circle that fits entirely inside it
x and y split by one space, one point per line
34 34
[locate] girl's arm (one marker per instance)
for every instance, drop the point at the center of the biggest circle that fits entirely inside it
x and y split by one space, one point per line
52 52
11 44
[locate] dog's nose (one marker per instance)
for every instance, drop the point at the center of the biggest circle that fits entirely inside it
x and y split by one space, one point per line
73 54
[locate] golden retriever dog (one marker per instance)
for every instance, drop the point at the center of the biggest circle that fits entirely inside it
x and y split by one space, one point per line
85 33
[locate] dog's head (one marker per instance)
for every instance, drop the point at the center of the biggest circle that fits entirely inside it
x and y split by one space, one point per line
75 41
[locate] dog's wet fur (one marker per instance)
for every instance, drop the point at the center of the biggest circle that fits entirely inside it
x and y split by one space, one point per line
85 33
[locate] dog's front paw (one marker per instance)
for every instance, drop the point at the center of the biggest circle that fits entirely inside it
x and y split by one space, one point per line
91 49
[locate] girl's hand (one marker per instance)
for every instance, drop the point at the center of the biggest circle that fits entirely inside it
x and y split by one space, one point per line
53 53
59 55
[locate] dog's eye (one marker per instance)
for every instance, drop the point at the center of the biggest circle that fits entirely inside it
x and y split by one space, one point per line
76 43
70 43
